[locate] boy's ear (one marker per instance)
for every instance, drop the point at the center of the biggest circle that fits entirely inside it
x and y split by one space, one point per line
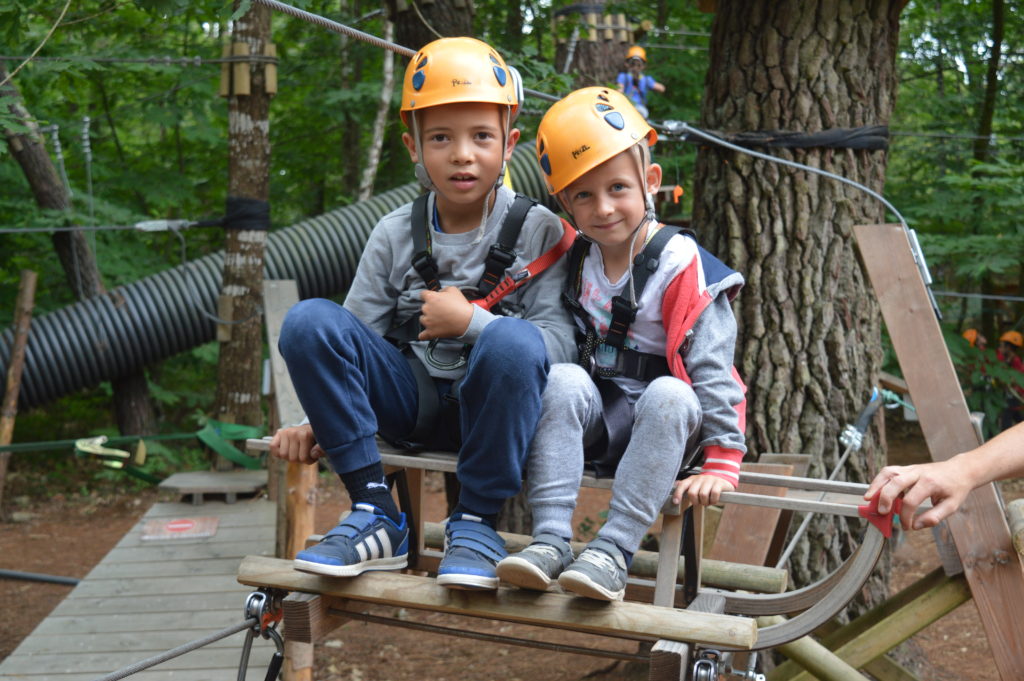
410 144
653 178
513 137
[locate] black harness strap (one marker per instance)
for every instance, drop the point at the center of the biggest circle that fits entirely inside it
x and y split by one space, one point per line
422 261
502 252
644 265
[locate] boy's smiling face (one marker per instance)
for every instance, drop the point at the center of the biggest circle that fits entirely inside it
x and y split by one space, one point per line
463 148
609 201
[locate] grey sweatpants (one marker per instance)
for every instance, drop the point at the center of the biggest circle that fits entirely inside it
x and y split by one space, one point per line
667 420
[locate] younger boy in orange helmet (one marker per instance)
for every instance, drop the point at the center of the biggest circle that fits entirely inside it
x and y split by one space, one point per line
655 389
408 336
634 83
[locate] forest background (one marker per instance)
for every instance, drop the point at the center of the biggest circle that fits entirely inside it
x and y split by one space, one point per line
146 76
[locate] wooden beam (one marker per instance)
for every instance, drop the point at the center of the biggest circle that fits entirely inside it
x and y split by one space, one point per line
979 530
547 609
811 655
714 573
16 363
306 619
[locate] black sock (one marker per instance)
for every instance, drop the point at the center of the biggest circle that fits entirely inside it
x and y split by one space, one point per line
490 519
367 485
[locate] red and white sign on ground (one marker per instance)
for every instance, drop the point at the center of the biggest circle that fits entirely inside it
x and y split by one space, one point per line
180 528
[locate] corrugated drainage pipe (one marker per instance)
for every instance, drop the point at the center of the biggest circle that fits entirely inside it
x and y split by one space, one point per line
110 336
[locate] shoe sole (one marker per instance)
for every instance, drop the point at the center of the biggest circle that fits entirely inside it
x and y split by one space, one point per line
582 585
523 573
467 582
394 563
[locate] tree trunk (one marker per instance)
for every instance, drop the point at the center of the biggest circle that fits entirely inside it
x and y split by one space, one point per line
809 325
418 23
241 349
982 147
584 50
387 87
132 404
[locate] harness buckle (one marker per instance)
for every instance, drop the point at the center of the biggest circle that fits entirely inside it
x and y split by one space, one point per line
501 255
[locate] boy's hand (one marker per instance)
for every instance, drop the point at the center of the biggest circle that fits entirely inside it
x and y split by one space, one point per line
296 444
701 489
445 313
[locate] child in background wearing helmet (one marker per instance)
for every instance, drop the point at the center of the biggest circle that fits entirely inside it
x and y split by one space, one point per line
658 337
459 101
634 83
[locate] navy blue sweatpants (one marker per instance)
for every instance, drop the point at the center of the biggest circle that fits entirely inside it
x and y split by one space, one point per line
353 384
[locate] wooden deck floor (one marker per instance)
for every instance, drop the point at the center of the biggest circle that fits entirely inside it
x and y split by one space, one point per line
148 596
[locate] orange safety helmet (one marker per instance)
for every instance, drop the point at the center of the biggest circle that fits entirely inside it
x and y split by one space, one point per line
638 52
971 336
583 130
455 70
1013 338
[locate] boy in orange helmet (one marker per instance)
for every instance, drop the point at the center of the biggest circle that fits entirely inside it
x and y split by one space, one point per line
655 390
634 83
408 343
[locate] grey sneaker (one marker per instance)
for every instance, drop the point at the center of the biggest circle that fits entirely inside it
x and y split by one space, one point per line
599 572
536 566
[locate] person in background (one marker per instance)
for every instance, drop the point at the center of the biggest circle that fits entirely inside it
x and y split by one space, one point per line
634 83
1009 354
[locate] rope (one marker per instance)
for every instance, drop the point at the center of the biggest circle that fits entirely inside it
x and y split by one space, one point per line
180 650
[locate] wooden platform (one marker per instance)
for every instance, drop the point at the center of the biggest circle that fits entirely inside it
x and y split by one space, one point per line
148 596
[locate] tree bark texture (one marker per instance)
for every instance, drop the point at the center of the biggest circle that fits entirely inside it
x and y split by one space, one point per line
132 405
809 324
240 361
588 53
418 23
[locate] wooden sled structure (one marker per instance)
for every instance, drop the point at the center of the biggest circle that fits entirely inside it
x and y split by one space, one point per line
687 630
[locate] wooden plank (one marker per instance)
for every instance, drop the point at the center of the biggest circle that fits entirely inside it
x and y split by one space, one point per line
620 619
53 666
213 482
122 622
745 533
979 530
800 463
152 551
79 606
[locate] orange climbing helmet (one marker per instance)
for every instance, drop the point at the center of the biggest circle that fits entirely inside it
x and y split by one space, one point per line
971 336
637 52
456 70
1013 338
583 130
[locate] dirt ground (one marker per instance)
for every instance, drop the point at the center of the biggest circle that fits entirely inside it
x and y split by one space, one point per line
68 536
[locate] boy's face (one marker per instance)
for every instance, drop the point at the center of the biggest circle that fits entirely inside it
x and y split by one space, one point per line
608 202
635 65
463 148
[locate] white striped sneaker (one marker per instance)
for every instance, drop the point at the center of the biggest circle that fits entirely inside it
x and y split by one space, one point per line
365 540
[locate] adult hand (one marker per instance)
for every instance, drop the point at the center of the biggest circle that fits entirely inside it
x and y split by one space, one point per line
445 313
703 489
296 444
944 482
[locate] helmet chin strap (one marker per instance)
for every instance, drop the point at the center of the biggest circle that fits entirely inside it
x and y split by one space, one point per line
420 170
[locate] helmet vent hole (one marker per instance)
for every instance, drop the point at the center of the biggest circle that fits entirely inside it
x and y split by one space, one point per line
615 120
418 79
500 74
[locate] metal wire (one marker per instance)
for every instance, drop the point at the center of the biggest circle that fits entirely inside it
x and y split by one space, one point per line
180 650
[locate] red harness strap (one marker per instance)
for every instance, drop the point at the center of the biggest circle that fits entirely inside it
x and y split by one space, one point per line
514 281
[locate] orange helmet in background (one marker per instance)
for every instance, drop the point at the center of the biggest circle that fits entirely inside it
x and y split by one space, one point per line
456 70
637 52
1013 338
583 130
971 336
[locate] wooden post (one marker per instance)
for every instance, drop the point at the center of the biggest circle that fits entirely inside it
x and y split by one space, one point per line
979 530
22 321
296 497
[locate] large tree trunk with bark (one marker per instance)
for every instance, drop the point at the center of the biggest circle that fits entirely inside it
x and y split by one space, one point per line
132 405
809 325
418 23
241 349
594 56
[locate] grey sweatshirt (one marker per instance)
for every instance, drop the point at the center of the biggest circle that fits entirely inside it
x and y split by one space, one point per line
386 288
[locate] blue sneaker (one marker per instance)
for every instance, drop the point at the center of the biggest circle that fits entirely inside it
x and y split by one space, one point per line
365 540
471 552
